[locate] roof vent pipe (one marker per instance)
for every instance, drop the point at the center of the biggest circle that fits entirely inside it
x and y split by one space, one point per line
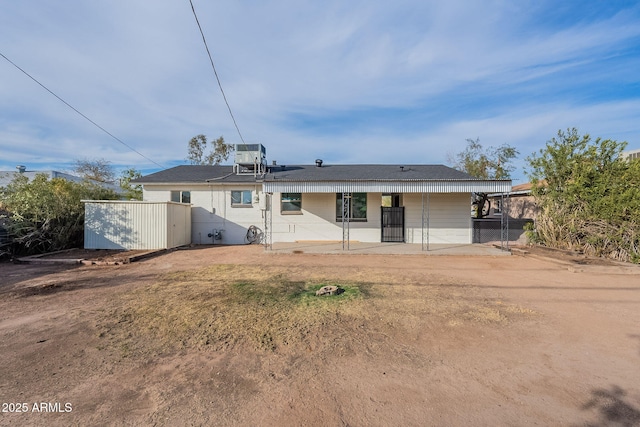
319 163
21 168
402 168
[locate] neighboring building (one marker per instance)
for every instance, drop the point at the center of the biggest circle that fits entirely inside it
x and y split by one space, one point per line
518 203
251 201
631 154
7 176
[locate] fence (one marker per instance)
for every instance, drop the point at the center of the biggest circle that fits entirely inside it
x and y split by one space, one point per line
490 229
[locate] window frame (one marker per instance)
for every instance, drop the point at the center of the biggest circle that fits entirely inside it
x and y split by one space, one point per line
242 203
183 196
339 207
292 201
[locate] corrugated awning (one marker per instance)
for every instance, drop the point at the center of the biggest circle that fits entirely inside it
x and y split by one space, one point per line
371 186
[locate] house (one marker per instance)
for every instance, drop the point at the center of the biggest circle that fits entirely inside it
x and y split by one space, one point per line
250 201
518 203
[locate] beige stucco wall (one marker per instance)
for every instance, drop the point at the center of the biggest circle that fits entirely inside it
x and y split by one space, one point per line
448 215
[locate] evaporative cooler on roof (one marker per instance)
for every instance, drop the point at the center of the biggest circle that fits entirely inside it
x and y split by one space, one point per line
250 155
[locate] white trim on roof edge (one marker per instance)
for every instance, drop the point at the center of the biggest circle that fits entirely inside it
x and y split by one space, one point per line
428 186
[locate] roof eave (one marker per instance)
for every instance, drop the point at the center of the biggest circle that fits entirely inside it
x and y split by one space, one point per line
400 186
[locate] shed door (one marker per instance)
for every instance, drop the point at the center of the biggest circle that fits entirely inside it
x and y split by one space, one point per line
392 227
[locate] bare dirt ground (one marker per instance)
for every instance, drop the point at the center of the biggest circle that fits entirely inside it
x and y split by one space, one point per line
232 336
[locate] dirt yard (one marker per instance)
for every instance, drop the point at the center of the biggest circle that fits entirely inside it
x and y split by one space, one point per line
234 336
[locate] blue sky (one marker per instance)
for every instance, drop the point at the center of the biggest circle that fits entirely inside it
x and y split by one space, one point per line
349 82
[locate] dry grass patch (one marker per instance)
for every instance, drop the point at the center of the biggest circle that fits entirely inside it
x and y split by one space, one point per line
268 308
223 306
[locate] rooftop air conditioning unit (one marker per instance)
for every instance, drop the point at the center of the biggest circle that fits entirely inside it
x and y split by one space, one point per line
248 155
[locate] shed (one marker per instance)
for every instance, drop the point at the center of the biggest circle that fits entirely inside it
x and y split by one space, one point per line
136 225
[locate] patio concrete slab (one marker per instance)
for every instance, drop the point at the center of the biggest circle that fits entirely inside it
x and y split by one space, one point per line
388 248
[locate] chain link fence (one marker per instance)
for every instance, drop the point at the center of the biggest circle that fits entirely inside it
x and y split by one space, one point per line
487 230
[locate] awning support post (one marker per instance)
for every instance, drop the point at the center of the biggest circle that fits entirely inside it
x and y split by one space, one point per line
268 223
346 219
504 222
425 222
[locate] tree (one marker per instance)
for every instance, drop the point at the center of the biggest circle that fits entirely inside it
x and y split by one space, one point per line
99 170
45 215
219 151
589 196
490 163
130 191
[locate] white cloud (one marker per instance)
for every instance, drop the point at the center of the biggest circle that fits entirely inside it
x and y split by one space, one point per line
139 69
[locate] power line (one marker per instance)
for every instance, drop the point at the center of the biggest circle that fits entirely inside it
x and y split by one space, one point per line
76 110
214 70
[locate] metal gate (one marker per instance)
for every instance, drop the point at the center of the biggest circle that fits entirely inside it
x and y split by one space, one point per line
392 227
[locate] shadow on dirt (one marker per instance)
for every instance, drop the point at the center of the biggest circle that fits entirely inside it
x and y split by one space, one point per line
25 280
46 289
613 408
12 274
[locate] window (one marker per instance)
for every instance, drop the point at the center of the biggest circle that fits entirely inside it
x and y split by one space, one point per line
391 200
241 198
356 206
181 196
291 203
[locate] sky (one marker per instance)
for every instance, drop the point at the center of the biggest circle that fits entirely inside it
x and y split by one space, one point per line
359 81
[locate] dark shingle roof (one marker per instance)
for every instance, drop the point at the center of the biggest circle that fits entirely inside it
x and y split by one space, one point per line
195 174
224 174
366 173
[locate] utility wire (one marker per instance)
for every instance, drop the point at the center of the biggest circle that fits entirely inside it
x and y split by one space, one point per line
214 71
76 110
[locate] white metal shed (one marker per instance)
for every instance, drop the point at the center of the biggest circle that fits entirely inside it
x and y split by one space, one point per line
136 225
